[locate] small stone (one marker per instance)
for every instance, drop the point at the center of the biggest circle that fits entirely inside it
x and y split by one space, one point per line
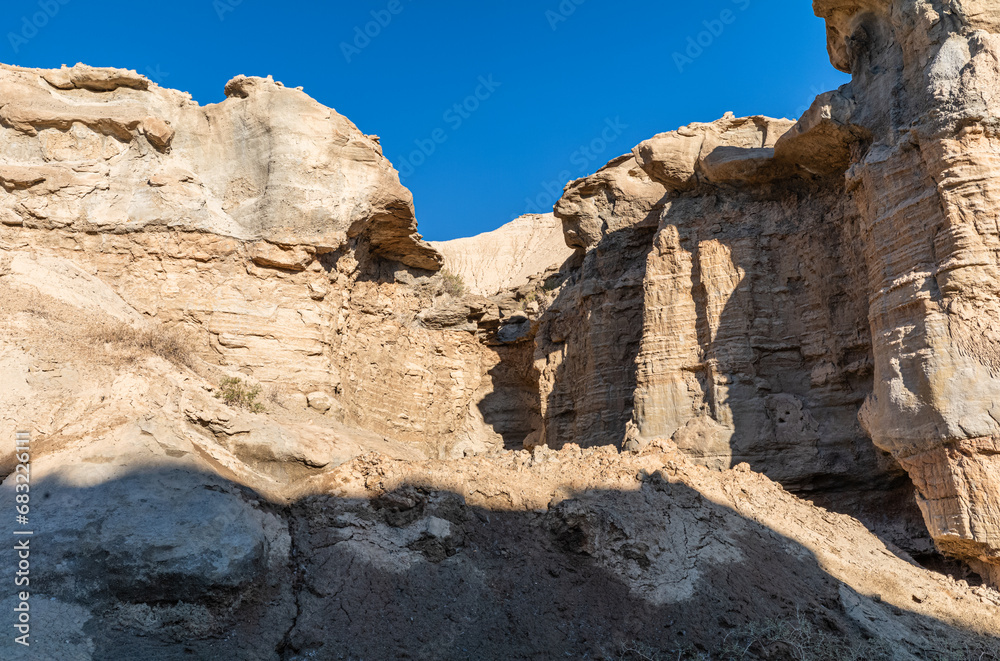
158 132
320 401
297 400
318 291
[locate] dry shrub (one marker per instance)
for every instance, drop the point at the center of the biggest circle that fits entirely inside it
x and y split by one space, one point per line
453 284
129 344
234 392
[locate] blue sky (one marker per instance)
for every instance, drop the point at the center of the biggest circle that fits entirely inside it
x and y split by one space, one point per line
488 108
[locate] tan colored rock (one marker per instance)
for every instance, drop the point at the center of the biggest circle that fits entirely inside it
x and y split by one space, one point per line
747 288
822 140
724 316
147 465
320 401
507 257
59 78
104 79
706 441
292 258
586 339
184 231
158 132
731 150
925 184
980 14
621 185
671 158
94 78
248 189
698 307
361 341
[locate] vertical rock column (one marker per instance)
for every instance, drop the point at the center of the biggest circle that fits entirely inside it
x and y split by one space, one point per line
925 87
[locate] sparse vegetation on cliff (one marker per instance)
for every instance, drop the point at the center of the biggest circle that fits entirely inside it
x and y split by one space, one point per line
453 284
236 393
127 344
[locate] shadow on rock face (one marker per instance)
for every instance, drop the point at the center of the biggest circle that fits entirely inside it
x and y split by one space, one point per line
152 564
589 339
168 564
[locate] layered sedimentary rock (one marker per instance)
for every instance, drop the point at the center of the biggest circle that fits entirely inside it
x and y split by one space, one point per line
267 224
756 343
106 150
176 525
754 347
715 304
506 258
571 447
924 89
588 338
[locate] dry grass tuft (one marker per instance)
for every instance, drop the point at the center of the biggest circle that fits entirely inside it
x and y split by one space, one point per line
274 394
130 344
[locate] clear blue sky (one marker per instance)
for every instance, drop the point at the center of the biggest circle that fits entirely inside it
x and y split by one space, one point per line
559 75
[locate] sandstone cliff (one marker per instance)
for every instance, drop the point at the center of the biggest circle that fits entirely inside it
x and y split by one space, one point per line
755 344
924 95
506 258
586 452
121 155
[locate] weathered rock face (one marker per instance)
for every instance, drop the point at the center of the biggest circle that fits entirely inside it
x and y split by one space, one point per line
336 327
925 86
121 154
268 225
343 323
743 297
752 348
588 338
620 195
506 258
755 344
733 150
761 250
716 304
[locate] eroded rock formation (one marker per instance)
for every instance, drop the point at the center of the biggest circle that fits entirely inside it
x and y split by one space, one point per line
924 89
244 226
506 258
583 444
768 233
